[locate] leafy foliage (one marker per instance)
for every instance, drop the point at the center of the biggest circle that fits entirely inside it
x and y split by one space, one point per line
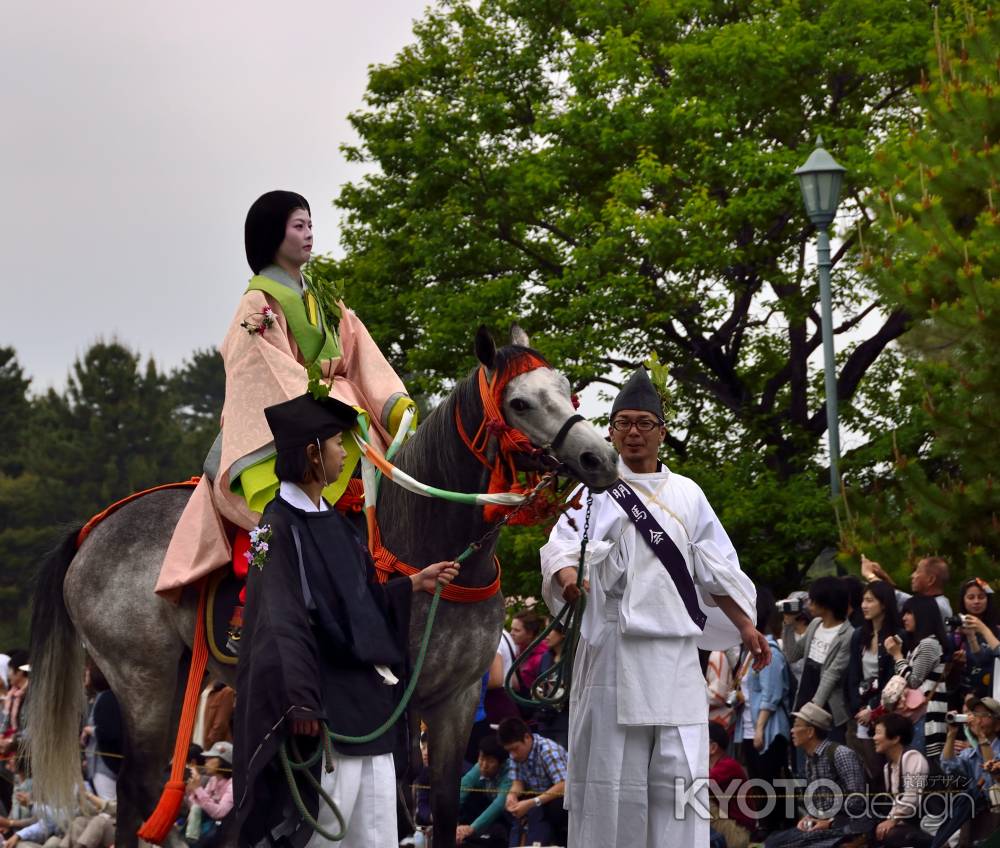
118 427
617 176
936 252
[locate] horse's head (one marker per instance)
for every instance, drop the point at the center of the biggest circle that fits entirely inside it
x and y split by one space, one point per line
537 401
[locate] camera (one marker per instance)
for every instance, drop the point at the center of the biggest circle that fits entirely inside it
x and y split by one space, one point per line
956 718
790 606
954 622
868 688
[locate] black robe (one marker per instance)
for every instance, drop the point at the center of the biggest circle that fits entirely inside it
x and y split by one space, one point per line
312 660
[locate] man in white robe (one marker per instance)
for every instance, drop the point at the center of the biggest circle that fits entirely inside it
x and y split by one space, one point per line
638 736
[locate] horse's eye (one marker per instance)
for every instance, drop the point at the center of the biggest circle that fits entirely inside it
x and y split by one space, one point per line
519 405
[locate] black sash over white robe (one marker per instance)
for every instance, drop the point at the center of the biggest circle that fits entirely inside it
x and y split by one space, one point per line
639 704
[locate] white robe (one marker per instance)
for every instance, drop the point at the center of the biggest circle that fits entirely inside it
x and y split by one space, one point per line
639 704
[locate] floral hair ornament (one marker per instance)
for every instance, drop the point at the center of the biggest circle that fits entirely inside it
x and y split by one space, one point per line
257 328
982 584
257 553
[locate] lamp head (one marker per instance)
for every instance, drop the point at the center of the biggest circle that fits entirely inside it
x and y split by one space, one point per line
820 179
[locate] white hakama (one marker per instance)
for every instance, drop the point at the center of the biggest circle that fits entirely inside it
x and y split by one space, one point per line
364 790
639 703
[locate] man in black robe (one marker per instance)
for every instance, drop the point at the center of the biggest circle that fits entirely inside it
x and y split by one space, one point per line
323 645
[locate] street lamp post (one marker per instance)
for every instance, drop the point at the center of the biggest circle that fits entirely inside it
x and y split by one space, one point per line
820 178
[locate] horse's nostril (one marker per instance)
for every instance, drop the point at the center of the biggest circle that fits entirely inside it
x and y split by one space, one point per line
589 461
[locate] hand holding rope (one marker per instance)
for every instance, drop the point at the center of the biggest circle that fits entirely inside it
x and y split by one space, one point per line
290 757
551 688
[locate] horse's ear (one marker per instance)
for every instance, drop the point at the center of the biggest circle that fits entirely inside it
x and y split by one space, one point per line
518 336
486 349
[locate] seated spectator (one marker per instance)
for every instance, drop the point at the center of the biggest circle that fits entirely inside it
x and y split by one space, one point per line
826 646
904 777
869 668
524 629
421 796
766 725
978 638
11 720
729 820
924 640
483 797
212 802
20 802
829 761
96 828
219 706
537 772
498 703
929 579
973 800
553 721
43 826
102 736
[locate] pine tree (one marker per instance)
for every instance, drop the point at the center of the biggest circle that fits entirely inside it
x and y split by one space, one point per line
937 253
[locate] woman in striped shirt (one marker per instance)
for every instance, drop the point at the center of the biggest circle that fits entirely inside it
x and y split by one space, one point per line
925 642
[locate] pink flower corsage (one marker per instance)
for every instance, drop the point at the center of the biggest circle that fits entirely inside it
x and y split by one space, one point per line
257 328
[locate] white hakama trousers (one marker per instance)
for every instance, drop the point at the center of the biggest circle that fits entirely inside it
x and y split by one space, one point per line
621 789
364 789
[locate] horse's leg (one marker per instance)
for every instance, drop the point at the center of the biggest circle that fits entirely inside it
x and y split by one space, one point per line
136 639
150 729
449 723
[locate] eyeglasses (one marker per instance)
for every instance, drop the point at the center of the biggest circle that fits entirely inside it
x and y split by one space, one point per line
643 425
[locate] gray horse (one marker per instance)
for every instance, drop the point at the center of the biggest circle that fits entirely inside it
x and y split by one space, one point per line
101 598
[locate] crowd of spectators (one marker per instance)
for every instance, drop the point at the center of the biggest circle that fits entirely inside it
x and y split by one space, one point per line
877 692
886 694
208 796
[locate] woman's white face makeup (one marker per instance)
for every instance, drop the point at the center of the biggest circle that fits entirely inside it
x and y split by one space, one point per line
296 248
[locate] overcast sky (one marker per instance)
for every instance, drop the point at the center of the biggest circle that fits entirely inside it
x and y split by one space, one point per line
134 135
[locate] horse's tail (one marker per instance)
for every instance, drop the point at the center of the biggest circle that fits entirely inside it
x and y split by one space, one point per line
56 692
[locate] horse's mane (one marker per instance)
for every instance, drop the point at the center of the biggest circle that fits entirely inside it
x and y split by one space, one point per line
437 432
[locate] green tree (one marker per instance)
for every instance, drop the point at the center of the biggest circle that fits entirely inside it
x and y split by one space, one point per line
617 175
21 500
198 391
936 252
14 411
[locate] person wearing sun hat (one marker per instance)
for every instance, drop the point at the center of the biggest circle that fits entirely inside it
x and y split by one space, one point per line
324 646
287 330
832 819
211 803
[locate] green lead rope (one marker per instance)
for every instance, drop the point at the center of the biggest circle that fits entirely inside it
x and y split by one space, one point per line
289 766
551 688
286 752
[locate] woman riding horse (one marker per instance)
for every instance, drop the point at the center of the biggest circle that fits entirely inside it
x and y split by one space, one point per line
281 332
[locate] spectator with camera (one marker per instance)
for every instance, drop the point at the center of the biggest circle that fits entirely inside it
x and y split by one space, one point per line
826 647
922 667
977 628
869 668
905 775
975 765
